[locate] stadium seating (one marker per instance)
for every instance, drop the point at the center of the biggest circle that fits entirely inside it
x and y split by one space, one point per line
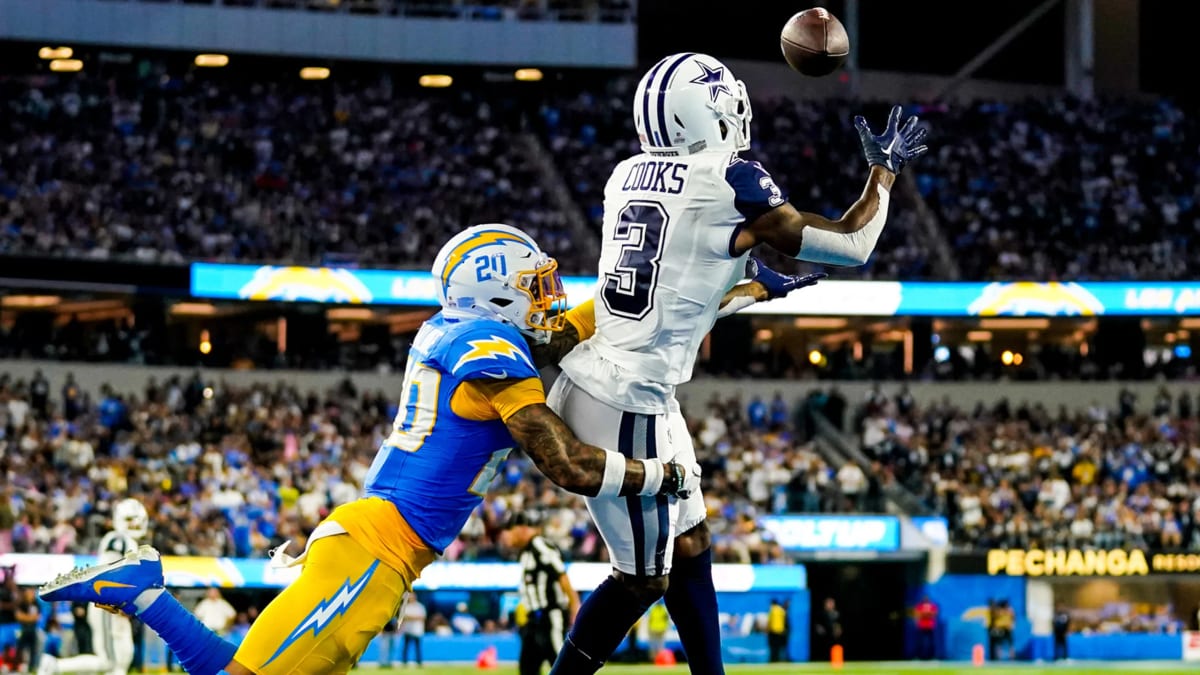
1027 477
174 167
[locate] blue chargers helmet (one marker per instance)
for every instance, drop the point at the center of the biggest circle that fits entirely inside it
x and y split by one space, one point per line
690 103
496 271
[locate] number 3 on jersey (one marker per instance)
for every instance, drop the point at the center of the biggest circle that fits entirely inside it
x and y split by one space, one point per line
629 288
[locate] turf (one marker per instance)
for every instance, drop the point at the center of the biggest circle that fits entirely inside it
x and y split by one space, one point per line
899 668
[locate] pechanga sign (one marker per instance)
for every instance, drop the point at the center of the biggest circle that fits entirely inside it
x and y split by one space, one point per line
1067 563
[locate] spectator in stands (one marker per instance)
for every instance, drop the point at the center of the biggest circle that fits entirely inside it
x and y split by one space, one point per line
463 622
215 612
853 483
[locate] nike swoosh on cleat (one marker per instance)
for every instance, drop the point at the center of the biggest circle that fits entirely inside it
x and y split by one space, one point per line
101 585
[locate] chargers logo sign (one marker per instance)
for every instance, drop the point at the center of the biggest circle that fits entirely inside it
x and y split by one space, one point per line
186 571
1028 298
314 284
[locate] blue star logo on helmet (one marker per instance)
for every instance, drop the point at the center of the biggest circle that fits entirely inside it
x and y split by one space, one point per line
714 78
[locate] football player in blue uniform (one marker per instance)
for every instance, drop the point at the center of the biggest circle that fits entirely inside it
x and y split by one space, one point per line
470 393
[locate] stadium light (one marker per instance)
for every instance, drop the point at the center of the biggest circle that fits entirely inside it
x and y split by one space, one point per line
314 73
30 301
212 60
1017 358
51 53
66 65
815 357
528 75
205 343
435 81
1006 358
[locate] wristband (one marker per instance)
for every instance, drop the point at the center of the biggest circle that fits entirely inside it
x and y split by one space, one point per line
654 477
614 474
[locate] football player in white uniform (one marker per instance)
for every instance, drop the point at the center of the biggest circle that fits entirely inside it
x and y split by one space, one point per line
679 222
112 634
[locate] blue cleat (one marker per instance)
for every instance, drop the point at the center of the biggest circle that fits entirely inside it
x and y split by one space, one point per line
116 584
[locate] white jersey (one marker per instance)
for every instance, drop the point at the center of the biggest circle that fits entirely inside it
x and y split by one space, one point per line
665 263
114 546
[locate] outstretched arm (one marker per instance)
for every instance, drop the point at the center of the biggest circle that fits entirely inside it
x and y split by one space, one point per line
849 240
765 284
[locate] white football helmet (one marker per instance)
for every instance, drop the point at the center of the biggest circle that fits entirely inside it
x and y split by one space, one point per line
497 271
689 103
130 518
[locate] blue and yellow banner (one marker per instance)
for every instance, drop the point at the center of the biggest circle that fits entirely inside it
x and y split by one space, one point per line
342 286
199 572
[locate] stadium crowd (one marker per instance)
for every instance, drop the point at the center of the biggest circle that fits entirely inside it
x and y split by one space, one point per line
164 166
1066 189
236 471
487 10
1022 476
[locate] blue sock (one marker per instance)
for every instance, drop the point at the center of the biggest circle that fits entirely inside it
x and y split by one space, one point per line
603 622
692 602
199 650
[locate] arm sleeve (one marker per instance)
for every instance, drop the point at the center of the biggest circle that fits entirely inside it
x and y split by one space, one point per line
583 318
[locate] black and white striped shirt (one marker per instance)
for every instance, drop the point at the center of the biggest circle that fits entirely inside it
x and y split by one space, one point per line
543 567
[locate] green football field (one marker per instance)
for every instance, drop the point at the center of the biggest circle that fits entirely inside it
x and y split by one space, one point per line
1083 668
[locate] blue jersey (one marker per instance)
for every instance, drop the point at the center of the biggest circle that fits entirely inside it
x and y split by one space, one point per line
436 465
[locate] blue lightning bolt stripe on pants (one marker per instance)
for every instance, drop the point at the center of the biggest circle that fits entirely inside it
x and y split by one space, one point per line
323 622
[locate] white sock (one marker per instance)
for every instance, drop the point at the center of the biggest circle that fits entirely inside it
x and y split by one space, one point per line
147 598
84 663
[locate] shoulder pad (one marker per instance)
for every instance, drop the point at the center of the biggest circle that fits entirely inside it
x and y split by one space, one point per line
754 191
485 350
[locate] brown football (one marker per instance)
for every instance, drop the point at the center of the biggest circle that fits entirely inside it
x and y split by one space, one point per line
814 42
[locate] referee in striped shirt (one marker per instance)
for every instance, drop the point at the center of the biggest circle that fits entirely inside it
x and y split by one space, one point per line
546 592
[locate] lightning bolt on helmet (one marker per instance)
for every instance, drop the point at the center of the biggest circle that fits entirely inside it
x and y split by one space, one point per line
497 271
689 103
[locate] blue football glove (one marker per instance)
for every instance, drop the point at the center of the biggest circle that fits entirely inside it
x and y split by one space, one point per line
778 285
896 146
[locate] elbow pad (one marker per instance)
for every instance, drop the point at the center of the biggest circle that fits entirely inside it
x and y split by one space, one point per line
847 250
